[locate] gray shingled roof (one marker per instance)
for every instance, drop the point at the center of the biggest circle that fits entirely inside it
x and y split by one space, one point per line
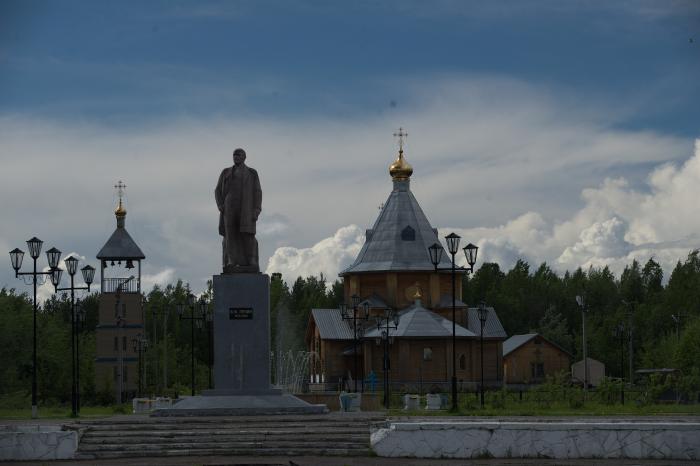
446 302
419 322
400 237
375 302
516 341
492 326
331 325
120 246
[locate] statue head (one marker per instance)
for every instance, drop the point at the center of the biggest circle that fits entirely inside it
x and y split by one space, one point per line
238 156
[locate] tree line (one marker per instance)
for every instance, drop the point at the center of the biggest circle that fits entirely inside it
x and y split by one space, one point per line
664 317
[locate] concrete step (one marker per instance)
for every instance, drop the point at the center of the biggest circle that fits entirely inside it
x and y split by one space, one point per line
195 426
216 445
133 437
317 451
280 419
155 437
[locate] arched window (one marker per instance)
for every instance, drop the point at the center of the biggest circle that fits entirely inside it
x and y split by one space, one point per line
408 234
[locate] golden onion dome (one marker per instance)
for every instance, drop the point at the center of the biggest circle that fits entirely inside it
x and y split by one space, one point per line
417 295
120 211
400 170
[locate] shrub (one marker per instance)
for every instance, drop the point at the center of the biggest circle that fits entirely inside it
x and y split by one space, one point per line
497 399
608 390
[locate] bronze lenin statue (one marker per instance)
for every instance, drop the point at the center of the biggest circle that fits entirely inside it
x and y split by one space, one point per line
239 199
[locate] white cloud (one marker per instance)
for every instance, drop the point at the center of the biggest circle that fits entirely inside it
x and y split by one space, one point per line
329 256
484 149
162 279
616 225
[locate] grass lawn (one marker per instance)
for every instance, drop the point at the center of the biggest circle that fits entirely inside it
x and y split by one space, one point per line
62 412
589 409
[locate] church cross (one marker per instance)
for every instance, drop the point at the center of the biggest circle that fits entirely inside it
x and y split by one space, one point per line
120 189
401 134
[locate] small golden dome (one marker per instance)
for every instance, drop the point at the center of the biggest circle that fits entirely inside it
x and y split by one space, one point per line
120 211
400 170
417 295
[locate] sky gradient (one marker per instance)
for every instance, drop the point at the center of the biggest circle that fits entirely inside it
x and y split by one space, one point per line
553 131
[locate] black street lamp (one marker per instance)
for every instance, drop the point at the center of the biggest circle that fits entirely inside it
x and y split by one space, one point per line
470 252
196 318
140 344
678 320
389 321
181 310
207 319
88 273
16 255
162 309
359 313
619 332
581 301
630 337
80 317
483 316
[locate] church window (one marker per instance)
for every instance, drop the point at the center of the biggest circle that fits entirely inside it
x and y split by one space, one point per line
408 234
427 354
462 362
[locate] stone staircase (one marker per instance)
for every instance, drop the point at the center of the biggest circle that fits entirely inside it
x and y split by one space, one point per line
140 436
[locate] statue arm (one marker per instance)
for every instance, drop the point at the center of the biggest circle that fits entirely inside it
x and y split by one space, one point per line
218 192
257 197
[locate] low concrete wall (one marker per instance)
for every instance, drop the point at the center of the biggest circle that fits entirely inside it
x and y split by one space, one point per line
556 439
35 442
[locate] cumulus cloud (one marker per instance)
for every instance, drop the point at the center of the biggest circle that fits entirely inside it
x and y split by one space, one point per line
329 256
162 279
486 150
616 225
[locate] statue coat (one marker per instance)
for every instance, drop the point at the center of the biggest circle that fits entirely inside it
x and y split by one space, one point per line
251 202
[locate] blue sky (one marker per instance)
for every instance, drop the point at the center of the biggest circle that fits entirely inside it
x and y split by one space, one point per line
534 104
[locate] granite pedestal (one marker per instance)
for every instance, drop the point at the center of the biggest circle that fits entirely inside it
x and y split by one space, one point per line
241 356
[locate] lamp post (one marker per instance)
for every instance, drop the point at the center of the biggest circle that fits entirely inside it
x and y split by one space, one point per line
140 344
195 318
580 300
619 332
80 317
16 255
677 319
181 310
470 252
483 315
88 273
630 338
208 320
163 310
389 321
359 313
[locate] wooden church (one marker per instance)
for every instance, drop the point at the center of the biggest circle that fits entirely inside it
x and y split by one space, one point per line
399 305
